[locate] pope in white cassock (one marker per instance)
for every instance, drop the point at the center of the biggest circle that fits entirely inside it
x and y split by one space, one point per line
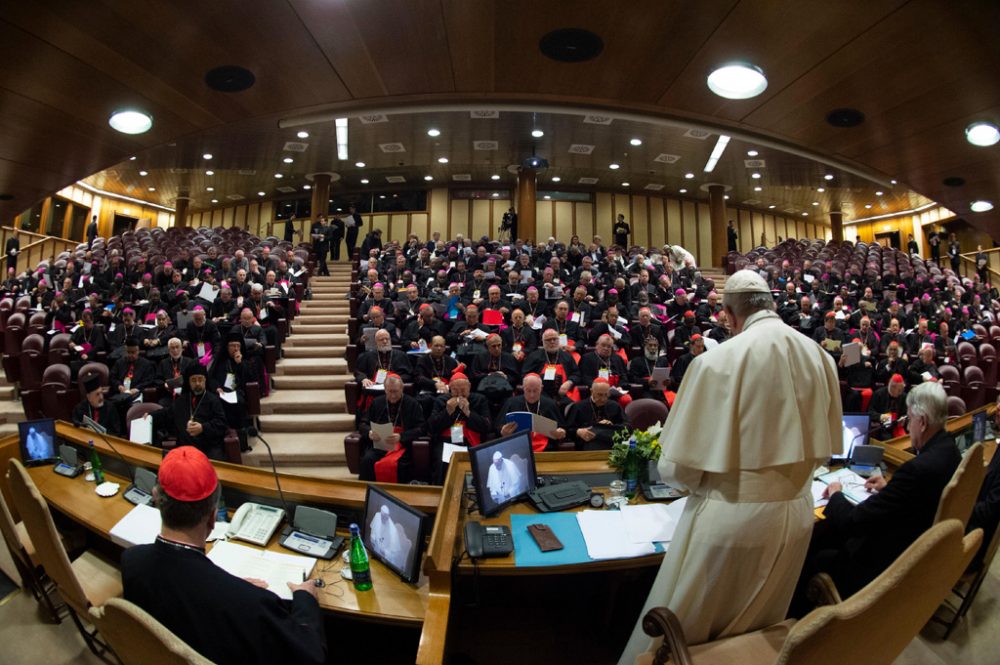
504 479
752 419
384 536
39 446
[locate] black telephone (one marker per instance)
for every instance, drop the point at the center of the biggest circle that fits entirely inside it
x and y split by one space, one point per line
491 540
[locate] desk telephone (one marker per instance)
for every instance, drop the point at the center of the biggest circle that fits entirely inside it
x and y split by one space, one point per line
255 523
491 540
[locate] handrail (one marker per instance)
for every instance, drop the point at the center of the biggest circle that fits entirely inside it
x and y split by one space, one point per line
970 257
35 251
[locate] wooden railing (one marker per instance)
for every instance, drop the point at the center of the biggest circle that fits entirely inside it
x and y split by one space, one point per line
35 247
967 266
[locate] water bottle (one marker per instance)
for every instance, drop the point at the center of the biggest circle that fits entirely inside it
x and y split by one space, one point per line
95 464
360 570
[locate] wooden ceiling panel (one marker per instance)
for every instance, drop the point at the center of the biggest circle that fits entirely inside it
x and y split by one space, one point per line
472 41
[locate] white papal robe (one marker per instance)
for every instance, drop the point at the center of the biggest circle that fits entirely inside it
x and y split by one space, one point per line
752 420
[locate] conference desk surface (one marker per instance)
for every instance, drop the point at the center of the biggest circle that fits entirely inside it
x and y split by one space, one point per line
390 601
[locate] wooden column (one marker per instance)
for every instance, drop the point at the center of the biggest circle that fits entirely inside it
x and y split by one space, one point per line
180 211
837 225
526 195
321 195
717 219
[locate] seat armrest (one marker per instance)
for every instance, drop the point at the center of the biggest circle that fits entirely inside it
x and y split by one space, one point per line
822 591
352 393
660 621
421 449
270 359
252 392
352 452
231 447
566 445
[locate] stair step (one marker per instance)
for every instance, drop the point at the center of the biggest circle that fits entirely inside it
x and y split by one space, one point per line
7 391
309 309
310 382
325 366
311 319
330 400
12 412
301 450
318 328
314 351
305 339
307 422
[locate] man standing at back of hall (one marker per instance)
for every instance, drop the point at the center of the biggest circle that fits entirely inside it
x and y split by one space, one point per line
752 420
353 222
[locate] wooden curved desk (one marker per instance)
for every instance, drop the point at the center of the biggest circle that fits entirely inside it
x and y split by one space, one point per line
391 601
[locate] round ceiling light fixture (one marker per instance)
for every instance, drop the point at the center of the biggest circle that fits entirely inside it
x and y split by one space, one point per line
442 160
229 78
432 132
537 133
828 176
571 45
303 135
614 167
364 181
556 178
360 165
752 153
981 206
737 80
428 177
130 121
982 134
635 142
494 177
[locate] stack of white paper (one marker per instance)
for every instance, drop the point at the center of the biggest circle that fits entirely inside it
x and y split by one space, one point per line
273 567
140 526
606 537
649 523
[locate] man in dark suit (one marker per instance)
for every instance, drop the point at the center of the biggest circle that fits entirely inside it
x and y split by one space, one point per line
174 581
132 373
353 223
11 250
855 543
405 416
92 232
320 234
196 418
336 237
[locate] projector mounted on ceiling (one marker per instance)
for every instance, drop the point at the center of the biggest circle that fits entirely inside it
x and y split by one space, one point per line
535 163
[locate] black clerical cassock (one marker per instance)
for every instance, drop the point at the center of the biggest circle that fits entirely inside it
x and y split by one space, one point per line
543 407
407 419
605 421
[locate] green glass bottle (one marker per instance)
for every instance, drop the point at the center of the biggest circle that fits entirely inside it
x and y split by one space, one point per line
360 570
95 464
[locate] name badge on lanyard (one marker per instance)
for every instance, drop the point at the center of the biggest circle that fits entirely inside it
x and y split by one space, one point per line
475 294
517 347
457 434
604 373
550 373
127 383
201 349
380 376
563 340
230 381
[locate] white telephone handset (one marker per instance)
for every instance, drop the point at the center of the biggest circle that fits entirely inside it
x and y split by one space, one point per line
255 523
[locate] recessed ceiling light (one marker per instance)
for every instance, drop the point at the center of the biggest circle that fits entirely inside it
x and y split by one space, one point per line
261 193
752 153
547 197
209 172
737 80
636 141
683 191
537 133
130 122
815 203
893 182
726 197
152 189
303 135
868 206
758 189
210 189
879 193
433 132
755 176
307 186
689 176
625 184
207 155
771 207
381 196
828 176
278 176
360 165
495 194
494 177
556 178
132 158
428 177
821 189
143 173
614 167
442 160
982 134
805 214
981 206
364 181
288 160
215 200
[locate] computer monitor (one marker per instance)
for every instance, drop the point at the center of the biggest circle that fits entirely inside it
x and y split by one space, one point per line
855 431
38 442
503 471
394 533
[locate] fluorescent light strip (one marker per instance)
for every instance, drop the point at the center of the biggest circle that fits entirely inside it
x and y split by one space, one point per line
720 147
932 204
341 125
122 197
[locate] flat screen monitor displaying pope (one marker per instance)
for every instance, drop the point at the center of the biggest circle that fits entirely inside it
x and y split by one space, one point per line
503 471
855 428
394 533
38 442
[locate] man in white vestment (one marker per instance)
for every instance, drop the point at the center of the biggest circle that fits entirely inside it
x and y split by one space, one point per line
39 446
384 536
755 417
504 479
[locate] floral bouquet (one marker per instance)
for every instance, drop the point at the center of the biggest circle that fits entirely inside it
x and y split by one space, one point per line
631 451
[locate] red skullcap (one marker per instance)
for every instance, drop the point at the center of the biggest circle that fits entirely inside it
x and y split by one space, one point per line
458 375
896 378
187 475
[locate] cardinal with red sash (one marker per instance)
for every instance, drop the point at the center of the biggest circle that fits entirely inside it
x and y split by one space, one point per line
533 401
887 406
387 457
604 363
374 366
461 418
556 367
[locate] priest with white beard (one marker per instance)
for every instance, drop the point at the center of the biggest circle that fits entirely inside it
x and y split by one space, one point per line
754 418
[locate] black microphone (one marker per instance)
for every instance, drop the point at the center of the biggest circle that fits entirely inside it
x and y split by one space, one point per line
252 431
100 430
